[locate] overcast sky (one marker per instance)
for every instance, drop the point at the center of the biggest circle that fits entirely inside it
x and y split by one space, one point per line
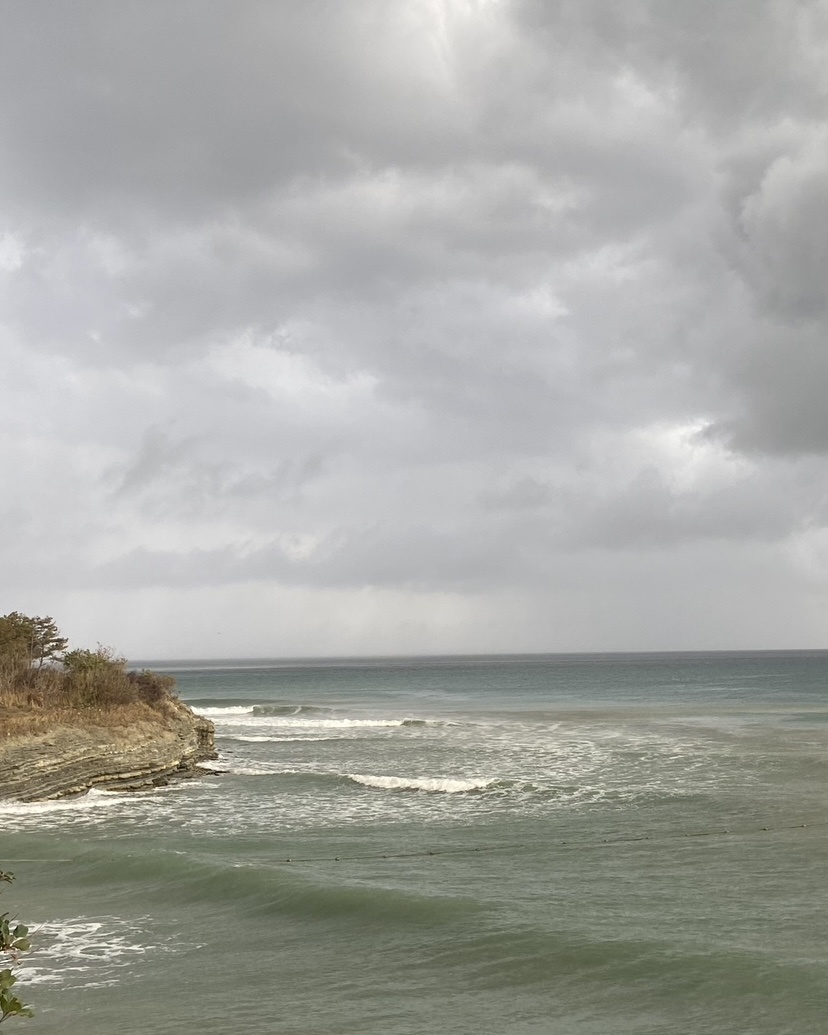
415 327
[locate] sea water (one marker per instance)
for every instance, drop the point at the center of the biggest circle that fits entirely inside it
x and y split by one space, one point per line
530 845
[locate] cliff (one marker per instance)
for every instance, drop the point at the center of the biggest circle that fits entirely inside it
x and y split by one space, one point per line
71 759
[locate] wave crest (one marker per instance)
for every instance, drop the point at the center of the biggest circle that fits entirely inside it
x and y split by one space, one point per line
431 784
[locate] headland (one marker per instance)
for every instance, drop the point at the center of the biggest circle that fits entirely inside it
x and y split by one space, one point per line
73 720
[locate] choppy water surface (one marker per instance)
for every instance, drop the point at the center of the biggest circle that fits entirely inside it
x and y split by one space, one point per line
598 844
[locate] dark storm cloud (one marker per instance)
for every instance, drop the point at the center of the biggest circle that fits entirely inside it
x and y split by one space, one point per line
182 108
437 295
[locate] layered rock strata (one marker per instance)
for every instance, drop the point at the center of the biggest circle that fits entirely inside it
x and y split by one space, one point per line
71 760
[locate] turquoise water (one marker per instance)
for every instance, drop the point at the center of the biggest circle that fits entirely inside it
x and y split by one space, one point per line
537 844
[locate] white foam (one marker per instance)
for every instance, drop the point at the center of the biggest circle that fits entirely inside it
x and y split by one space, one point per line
247 718
224 765
220 713
86 952
249 770
93 799
438 784
270 740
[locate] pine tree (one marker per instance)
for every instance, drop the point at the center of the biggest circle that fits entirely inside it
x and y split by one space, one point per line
29 642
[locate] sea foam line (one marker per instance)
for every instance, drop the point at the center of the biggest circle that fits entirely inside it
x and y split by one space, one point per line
271 740
226 711
438 784
434 785
247 718
92 799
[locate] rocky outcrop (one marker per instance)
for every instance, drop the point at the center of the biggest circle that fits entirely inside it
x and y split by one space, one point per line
71 760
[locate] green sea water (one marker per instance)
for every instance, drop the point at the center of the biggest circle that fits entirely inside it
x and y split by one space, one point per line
529 845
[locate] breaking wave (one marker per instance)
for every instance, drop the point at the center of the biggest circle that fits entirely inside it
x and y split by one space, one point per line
434 785
288 709
296 717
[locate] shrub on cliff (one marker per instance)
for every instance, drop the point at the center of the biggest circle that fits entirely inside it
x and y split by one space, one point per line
99 679
95 679
153 688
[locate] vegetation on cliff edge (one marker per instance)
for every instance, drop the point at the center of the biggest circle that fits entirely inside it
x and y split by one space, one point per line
43 683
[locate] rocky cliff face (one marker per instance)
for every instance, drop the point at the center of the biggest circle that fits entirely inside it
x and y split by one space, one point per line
70 760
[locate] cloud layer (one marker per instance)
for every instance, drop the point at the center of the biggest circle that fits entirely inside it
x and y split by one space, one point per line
449 325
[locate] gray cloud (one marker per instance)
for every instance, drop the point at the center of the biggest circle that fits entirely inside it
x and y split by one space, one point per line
441 298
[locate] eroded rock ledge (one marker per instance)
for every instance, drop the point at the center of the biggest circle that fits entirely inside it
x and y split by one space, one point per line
71 760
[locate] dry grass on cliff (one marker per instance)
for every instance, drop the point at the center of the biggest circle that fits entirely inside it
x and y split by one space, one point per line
36 700
21 721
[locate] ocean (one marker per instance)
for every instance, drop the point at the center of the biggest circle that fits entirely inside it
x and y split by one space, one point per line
530 845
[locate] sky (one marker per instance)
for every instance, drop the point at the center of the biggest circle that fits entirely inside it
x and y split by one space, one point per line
435 326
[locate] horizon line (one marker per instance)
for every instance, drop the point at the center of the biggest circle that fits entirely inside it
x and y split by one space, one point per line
285 658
